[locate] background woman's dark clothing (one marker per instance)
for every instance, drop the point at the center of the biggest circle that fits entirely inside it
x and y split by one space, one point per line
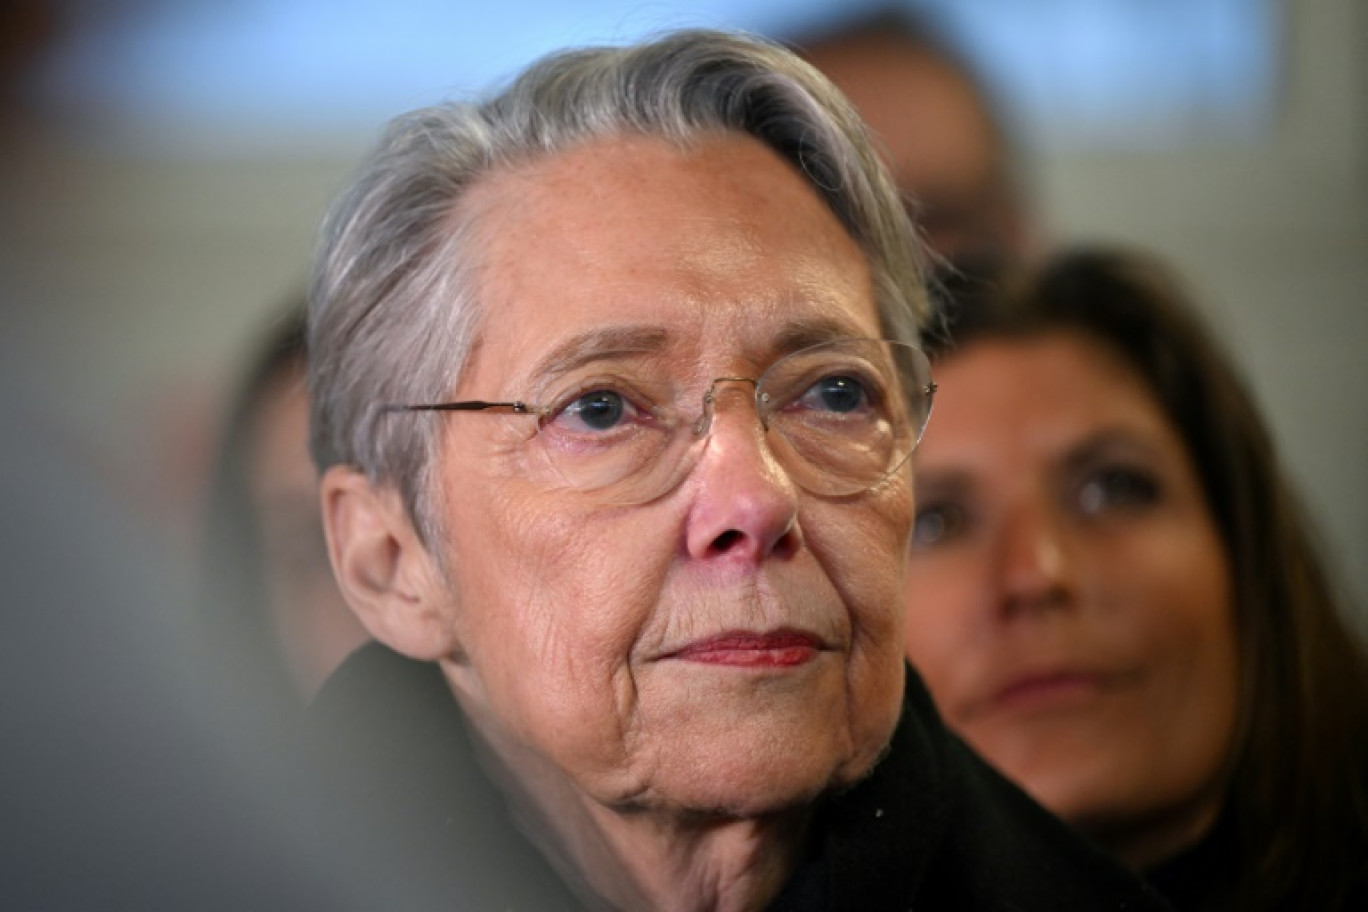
932 828
1201 878
1198 880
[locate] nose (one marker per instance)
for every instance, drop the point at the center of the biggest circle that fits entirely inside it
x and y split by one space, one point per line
705 417
745 505
1034 567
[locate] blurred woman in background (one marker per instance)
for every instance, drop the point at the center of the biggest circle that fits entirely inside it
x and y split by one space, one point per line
1113 594
277 617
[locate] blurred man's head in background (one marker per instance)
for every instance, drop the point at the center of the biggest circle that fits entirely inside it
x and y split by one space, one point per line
944 138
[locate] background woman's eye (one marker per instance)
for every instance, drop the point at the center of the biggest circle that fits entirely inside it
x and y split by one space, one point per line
1117 488
936 523
599 410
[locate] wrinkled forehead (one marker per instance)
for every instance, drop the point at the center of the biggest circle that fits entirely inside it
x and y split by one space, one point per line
712 246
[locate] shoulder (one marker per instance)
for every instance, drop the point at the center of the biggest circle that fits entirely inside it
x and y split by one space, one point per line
408 795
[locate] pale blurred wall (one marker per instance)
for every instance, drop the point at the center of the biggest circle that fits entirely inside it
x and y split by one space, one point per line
132 288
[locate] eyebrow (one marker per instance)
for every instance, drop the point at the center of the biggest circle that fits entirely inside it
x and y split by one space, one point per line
606 343
599 344
1109 443
951 482
799 334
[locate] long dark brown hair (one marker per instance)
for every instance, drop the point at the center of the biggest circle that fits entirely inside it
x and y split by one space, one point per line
1297 805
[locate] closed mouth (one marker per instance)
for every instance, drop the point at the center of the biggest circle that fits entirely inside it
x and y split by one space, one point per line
1048 690
777 649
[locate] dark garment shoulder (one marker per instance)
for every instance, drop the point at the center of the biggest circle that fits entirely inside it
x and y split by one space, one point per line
936 828
932 828
1200 878
408 802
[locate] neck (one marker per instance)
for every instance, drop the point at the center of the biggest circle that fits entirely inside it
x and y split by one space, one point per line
652 860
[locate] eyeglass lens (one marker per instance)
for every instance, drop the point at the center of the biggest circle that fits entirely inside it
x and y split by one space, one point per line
840 417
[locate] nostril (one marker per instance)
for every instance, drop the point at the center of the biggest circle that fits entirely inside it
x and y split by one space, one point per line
726 541
734 541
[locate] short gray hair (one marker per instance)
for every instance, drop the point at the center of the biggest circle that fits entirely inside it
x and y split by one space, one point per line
393 309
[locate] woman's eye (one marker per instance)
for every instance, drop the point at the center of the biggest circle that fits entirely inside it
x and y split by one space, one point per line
838 394
596 410
1117 488
937 523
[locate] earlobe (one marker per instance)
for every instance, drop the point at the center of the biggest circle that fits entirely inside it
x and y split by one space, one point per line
384 571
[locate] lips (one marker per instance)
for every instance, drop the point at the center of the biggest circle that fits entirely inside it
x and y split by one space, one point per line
1046 691
1047 686
779 649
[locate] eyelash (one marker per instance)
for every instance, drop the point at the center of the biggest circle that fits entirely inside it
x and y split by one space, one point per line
638 409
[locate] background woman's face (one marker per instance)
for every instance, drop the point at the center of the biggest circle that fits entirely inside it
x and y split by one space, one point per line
315 627
1068 594
733 645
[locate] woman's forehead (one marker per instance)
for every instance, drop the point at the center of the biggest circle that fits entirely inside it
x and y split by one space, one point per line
675 253
1062 366
1039 393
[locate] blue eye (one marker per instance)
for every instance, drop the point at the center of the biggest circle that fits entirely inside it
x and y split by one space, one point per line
598 410
838 394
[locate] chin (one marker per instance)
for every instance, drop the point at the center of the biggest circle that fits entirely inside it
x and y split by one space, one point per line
762 774
1076 784
743 790
750 745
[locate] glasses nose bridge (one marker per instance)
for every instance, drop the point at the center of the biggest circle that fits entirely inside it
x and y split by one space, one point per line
705 418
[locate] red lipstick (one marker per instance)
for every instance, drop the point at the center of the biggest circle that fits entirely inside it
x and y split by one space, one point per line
780 649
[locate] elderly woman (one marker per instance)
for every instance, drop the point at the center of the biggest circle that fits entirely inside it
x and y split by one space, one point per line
1113 595
614 389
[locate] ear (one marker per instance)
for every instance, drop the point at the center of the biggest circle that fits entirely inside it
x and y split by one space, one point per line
386 574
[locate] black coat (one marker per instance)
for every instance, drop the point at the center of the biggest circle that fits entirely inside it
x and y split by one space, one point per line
932 827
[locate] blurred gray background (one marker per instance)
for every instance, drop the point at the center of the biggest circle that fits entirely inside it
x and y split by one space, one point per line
163 166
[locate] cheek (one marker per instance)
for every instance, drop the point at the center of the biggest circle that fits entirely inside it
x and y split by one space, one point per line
863 552
1183 620
553 600
1173 590
942 603
1196 627
1172 610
